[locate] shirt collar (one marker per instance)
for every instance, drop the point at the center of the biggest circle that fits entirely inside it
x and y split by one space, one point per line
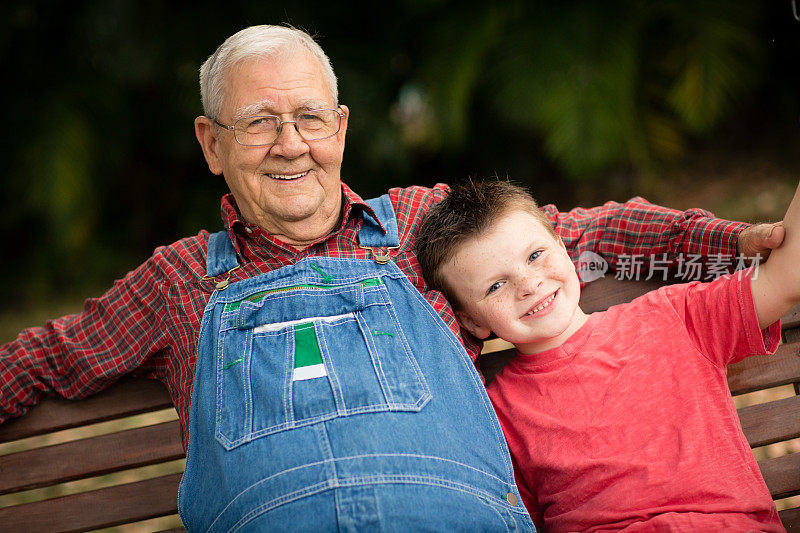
232 218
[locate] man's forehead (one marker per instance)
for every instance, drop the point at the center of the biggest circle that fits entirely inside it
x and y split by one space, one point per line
273 85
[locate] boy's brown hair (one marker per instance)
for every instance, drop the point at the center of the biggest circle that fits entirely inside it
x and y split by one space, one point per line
467 212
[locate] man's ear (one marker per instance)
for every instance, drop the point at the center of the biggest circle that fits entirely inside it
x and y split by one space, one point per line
346 111
466 320
343 128
207 137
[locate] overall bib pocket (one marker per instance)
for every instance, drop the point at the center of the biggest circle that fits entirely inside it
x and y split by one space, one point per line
292 356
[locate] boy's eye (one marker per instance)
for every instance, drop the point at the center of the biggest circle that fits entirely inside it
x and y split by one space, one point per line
534 255
495 286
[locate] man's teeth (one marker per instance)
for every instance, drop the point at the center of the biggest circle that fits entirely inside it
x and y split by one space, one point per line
542 305
288 176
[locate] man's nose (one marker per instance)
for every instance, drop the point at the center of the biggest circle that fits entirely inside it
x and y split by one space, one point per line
289 143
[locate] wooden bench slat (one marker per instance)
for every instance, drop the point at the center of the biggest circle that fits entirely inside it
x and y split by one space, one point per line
90 457
111 506
771 422
790 519
782 475
127 397
792 318
764 372
606 292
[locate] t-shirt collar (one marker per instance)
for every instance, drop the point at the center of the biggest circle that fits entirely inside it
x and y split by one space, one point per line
560 354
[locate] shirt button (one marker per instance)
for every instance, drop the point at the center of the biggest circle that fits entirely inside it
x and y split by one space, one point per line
249 230
511 498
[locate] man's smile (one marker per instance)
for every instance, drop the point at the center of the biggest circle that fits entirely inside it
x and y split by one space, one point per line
288 177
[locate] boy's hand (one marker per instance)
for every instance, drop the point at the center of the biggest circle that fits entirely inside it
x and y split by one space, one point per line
760 239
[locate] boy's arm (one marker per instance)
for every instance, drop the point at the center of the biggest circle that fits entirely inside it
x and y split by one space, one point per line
776 288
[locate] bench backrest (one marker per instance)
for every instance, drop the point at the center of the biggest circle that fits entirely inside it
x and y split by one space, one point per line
776 420
121 450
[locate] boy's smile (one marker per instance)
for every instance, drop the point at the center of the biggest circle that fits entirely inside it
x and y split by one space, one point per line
517 281
539 308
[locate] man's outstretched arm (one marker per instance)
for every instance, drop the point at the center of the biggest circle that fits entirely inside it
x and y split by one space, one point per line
77 355
639 228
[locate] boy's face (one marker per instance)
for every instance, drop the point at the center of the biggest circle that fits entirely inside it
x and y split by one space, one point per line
517 281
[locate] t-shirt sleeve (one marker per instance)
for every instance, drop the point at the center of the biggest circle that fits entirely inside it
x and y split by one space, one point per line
720 318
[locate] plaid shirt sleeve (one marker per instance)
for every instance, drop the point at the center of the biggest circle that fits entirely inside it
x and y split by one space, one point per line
132 327
639 228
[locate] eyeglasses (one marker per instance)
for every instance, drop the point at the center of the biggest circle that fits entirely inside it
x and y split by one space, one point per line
261 130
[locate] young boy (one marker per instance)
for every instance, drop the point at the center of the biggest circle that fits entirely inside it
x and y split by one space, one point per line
619 420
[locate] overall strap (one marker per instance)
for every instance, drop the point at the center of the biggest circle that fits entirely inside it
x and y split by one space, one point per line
221 254
371 234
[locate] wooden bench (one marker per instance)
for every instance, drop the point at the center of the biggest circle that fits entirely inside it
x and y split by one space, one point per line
125 449
90 457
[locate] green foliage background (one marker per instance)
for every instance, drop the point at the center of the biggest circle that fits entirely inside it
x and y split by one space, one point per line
101 164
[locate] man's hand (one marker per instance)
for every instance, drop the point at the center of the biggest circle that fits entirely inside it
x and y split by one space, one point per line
760 239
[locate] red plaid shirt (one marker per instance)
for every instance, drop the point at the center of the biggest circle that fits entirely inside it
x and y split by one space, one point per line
148 323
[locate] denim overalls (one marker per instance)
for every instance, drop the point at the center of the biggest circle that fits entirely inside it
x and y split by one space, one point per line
329 395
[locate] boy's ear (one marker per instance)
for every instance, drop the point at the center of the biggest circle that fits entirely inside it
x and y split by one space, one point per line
466 320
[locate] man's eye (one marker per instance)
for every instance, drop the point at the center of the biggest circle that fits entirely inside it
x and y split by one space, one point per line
495 286
312 121
534 255
259 124
310 117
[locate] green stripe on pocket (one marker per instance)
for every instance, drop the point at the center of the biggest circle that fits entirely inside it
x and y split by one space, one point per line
306 348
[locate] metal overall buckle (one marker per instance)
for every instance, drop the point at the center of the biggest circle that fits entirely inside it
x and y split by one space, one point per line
381 254
222 284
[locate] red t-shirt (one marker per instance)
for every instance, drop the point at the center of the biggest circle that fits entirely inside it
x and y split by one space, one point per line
630 424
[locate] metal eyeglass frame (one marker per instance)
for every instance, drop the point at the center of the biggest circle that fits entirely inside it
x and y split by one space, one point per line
279 129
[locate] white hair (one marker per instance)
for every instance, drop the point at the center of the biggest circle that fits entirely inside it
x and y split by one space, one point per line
253 43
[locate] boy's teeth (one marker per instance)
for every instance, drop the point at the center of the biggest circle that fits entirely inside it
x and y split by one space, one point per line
542 305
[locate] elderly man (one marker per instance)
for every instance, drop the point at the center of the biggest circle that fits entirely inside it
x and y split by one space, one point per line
329 388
